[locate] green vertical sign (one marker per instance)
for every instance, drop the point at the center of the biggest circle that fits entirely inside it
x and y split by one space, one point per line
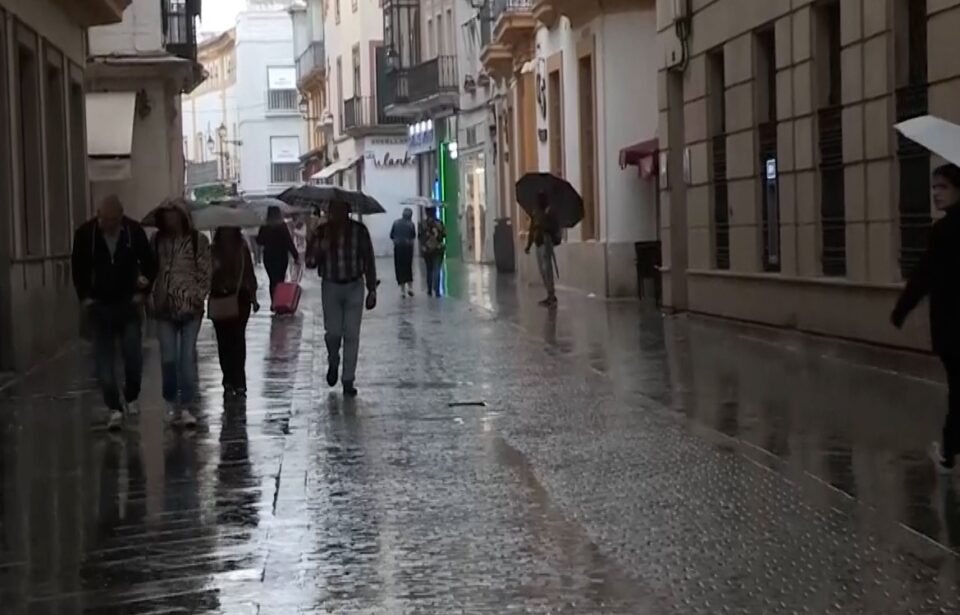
450 195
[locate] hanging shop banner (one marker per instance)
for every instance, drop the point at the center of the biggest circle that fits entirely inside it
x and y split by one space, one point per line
422 138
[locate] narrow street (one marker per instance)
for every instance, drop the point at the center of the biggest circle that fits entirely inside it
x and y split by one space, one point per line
498 460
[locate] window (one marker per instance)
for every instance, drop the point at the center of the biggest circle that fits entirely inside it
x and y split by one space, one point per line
284 160
282 89
833 223
451 38
29 146
357 89
588 165
767 112
555 121
340 98
430 36
441 36
58 182
716 91
914 161
336 10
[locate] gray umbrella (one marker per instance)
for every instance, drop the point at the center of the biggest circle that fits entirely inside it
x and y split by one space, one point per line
320 196
262 205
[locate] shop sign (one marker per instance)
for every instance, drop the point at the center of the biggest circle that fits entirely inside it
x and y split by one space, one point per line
385 160
422 138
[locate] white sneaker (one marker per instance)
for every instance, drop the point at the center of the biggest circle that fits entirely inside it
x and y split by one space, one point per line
133 408
187 419
115 421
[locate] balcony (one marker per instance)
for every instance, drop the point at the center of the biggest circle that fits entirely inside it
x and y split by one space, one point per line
311 64
89 13
180 28
580 12
545 12
427 88
362 116
511 43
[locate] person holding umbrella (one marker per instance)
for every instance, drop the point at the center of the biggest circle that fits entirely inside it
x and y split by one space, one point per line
278 248
937 276
545 234
343 254
432 247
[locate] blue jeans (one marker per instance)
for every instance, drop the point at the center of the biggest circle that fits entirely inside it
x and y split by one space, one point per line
178 358
112 324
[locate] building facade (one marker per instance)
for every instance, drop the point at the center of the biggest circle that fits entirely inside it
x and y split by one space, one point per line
211 129
368 147
137 72
312 84
43 168
570 104
788 198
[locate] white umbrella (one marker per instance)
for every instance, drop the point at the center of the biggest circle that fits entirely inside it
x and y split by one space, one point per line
420 201
939 136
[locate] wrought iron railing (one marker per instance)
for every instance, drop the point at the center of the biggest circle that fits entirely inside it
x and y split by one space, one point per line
179 28
312 59
362 112
433 77
721 203
833 215
501 7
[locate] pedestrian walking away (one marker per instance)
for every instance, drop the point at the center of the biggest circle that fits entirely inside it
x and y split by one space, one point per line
432 236
545 235
233 296
182 287
113 270
343 252
278 248
404 237
937 276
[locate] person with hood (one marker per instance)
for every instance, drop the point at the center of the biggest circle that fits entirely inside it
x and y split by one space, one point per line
545 235
113 268
278 248
938 276
432 247
179 295
404 237
343 253
233 296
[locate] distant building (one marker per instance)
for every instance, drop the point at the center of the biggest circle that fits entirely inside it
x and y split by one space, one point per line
308 42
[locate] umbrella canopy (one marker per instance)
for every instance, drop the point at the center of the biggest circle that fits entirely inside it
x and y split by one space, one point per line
939 136
212 217
262 205
420 201
320 196
565 202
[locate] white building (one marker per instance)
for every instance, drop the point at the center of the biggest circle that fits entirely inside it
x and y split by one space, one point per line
256 104
138 70
368 149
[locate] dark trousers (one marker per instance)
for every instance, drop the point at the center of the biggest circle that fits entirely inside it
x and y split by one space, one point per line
277 274
232 348
113 324
951 427
403 263
434 261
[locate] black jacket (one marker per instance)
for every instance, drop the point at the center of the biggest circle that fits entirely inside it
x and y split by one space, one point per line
938 275
277 245
98 277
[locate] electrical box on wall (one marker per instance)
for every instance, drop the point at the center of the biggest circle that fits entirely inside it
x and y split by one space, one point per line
676 36
672 50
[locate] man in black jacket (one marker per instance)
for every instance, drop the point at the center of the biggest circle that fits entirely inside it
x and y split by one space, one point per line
113 269
938 275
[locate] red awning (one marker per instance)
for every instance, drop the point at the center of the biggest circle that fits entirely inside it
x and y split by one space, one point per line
642 155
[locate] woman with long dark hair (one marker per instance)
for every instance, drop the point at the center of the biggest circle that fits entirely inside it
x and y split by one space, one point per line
233 296
938 275
278 248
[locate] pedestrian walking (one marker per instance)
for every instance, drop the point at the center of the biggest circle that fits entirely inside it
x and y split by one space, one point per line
404 237
432 236
545 235
233 296
937 275
299 235
343 252
278 248
182 287
113 269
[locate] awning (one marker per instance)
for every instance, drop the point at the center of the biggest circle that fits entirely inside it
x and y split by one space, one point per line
110 117
642 155
337 167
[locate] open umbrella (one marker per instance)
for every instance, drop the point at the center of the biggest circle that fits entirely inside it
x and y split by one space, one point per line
319 196
564 200
939 136
212 217
262 204
420 201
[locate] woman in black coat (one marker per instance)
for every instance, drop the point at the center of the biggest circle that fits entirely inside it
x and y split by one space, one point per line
278 248
938 275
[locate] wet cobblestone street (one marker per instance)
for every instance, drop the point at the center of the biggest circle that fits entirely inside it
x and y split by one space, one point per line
498 460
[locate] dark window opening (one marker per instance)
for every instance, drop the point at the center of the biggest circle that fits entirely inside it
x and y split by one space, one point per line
833 216
769 172
30 151
716 91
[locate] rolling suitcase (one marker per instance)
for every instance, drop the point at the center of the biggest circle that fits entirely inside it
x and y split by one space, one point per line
286 299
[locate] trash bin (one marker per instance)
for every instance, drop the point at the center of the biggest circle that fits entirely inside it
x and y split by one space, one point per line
504 251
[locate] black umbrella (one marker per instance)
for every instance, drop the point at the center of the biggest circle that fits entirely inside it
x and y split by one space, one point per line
320 196
564 201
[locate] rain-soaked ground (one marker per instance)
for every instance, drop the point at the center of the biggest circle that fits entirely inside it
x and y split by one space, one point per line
498 460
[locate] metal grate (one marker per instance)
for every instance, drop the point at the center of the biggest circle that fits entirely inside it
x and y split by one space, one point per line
721 204
833 216
282 100
284 173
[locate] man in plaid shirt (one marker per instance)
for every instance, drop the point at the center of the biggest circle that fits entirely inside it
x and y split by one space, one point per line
343 253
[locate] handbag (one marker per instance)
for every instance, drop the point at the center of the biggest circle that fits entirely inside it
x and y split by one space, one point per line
227 308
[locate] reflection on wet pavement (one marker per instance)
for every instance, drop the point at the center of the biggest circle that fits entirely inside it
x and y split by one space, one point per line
622 462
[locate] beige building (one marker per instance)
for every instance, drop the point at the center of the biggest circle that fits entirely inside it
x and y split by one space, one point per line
787 198
43 173
577 98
